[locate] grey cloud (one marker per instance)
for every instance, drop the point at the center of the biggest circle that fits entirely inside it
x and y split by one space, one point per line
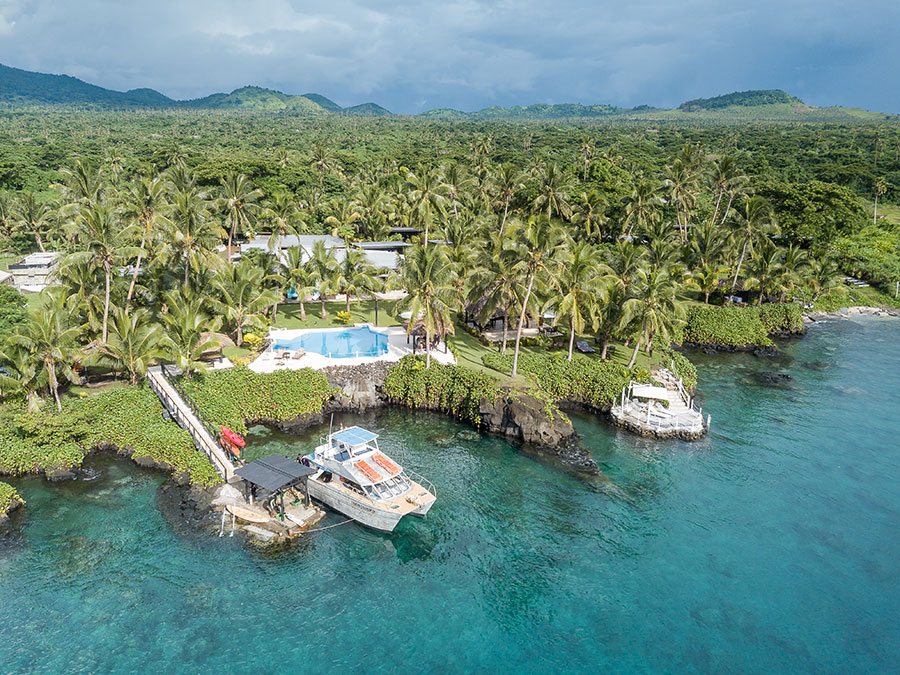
468 53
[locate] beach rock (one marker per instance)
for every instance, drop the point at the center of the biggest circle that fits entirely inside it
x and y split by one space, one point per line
299 424
359 386
188 509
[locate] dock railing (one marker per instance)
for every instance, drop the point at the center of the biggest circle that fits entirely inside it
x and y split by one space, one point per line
175 410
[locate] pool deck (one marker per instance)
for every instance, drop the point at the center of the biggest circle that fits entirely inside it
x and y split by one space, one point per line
398 347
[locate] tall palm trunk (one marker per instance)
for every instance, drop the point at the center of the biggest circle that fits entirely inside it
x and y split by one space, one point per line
137 267
347 299
716 210
39 241
727 208
571 340
302 310
427 349
515 368
738 270
605 348
875 214
505 330
505 213
54 384
322 300
108 273
637 346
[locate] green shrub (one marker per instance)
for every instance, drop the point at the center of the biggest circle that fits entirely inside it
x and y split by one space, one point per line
126 418
679 364
236 396
581 379
8 495
451 389
781 317
732 326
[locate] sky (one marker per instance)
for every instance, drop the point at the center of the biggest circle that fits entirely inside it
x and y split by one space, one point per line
411 56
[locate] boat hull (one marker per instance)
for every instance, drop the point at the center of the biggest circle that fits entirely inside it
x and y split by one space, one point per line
365 513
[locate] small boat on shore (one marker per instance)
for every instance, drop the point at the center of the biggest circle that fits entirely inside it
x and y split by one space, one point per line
356 478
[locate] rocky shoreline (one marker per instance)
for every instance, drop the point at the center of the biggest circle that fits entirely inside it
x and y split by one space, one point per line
847 312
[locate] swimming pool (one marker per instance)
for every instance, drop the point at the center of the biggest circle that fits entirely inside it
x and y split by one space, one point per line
338 344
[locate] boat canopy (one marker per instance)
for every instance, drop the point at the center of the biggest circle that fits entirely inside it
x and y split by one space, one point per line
274 473
354 436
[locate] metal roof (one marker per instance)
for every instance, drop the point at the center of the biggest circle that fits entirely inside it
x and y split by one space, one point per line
354 436
274 472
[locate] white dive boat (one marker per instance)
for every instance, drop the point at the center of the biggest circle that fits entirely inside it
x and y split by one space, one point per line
355 478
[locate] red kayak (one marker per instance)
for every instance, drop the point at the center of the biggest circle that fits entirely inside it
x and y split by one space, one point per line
232 437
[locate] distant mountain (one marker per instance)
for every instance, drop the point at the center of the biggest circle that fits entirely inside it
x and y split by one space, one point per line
745 99
367 110
326 103
20 88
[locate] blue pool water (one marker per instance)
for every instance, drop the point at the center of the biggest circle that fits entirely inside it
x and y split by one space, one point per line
339 344
770 546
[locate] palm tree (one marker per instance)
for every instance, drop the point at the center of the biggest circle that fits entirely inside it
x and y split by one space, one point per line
143 203
681 184
641 205
588 148
344 222
190 234
101 233
609 316
284 217
240 295
794 263
880 188
322 268
727 179
21 374
295 277
427 277
457 183
190 332
49 341
531 256
134 344
356 275
765 270
239 204
589 214
507 182
553 192
653 308
32 216
753 223
822 276
428 195
493 285
582 287
324 161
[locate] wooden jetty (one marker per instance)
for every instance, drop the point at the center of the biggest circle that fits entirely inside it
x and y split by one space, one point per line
291 516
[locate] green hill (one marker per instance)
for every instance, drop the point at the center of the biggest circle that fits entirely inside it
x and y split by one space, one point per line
367 110
22 88
543 111
326 103
744 99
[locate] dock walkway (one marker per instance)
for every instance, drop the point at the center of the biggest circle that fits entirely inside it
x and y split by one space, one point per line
190 419
678 418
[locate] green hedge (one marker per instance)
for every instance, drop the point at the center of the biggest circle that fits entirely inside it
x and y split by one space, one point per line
682 367
126 418
236 396
781 317
451 389
8 495
731 326
581 379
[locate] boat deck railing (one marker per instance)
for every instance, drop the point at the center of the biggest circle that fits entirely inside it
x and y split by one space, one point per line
421 480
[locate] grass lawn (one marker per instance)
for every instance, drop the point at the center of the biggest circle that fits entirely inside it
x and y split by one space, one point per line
362 312
7 260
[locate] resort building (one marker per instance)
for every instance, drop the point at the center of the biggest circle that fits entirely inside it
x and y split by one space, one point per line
34 272
380 254
6 279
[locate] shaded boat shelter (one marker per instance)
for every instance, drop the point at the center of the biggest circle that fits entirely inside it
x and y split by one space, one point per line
275 474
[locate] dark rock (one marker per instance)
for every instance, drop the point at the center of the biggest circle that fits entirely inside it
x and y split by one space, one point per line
188 509
817 365
772 379
765 351
149 463
58 475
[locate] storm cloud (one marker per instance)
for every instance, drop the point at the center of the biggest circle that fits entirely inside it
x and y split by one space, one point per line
468 54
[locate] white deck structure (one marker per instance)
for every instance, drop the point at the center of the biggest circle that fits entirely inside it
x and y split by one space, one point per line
639 409
398 347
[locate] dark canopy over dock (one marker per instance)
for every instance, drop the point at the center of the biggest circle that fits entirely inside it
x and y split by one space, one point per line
276 474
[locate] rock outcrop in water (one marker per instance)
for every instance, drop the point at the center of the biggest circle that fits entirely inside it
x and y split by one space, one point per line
520 417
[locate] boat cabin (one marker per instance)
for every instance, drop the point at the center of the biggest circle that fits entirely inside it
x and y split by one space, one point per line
361 466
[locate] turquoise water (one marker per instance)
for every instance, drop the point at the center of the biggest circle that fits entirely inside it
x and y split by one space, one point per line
770 546
339 344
